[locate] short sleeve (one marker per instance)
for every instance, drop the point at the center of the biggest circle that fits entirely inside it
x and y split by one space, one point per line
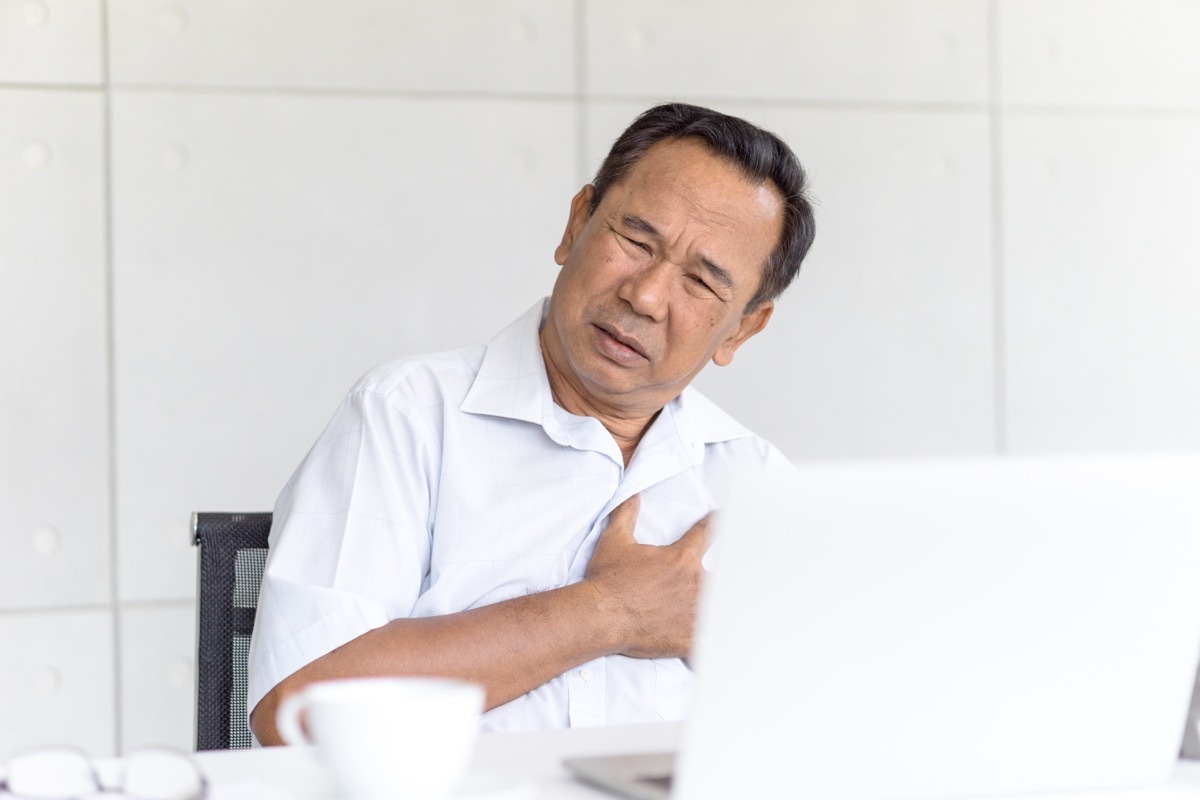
350 537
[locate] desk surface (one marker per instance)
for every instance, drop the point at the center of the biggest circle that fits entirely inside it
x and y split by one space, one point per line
526 766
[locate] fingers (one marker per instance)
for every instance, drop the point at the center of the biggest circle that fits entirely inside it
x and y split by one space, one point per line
648 591
629 506
624 517
699 536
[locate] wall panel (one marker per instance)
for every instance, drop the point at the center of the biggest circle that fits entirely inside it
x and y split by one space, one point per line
522 46
862 50
54 455
56 688
1131 53
50 41
1102 283
158 677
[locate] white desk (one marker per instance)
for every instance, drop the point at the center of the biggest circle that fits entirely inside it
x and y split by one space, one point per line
511 766
526 766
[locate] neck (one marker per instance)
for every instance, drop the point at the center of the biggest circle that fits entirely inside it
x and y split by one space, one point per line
625 426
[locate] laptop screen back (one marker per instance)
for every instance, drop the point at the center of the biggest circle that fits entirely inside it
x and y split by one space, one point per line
948 628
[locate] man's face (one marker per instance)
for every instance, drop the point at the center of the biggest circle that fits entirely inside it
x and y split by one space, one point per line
655 283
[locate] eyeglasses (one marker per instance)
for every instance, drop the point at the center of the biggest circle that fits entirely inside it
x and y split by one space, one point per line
68 774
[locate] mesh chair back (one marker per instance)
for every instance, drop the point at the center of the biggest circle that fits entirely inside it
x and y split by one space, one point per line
233 550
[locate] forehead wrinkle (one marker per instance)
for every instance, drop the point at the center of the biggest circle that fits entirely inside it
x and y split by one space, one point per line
711 219
640 224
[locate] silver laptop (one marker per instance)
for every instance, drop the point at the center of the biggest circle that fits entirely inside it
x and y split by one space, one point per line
942 628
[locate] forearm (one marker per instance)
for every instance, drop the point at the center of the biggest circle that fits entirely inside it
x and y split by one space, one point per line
510 648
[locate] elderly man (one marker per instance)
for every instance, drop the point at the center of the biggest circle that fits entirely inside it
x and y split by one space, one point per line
532 514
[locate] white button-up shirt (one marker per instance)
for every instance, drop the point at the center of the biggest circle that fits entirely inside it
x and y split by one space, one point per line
450 481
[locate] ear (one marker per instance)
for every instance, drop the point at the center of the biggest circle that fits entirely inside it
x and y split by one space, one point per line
580 214
749 325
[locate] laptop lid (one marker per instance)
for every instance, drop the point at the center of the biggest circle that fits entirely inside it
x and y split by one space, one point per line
948 628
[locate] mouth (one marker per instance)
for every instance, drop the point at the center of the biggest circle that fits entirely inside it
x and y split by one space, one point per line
620 346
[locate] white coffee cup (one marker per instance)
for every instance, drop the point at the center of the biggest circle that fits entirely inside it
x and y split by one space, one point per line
394 738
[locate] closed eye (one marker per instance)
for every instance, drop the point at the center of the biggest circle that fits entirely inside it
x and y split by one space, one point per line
640 245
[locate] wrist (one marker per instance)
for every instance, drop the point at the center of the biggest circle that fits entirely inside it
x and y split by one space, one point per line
602 615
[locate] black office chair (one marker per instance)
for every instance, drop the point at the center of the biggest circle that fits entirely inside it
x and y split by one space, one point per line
233 551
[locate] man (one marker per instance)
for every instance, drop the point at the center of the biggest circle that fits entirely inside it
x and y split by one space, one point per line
532 515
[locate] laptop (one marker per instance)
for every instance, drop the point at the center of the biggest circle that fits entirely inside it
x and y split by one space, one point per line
941 628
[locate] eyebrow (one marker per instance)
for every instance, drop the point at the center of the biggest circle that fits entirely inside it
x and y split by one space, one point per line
718 273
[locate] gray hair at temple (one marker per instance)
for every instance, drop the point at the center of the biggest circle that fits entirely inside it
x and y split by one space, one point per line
759 154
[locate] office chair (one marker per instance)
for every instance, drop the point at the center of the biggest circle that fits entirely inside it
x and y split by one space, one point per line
233 551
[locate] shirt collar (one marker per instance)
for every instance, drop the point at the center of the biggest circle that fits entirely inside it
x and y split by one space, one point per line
512 383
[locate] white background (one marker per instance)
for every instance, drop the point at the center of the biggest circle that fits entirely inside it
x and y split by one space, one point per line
215 214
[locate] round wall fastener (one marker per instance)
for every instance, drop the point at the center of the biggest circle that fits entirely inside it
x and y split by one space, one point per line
36 14
179 673
174 158
945 167
44 680
45 541
949 43
639 39
1052 48
522 30
1051 170
520 160
174 20
37 155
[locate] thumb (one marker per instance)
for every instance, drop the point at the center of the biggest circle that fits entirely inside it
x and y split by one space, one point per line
623 518
699 536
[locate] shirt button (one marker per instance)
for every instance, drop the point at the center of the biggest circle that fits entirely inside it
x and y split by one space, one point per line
586 674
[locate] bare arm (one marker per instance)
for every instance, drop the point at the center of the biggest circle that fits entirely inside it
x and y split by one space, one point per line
634 599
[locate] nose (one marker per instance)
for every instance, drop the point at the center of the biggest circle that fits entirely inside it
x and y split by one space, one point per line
646 290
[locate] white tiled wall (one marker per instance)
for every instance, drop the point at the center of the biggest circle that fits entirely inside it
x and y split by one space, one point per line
54 412
1106 54
50 41
215 215
873 51
158 674
514 47
1085 233
56 680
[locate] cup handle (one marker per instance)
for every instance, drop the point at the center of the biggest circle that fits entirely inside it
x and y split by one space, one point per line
287 720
